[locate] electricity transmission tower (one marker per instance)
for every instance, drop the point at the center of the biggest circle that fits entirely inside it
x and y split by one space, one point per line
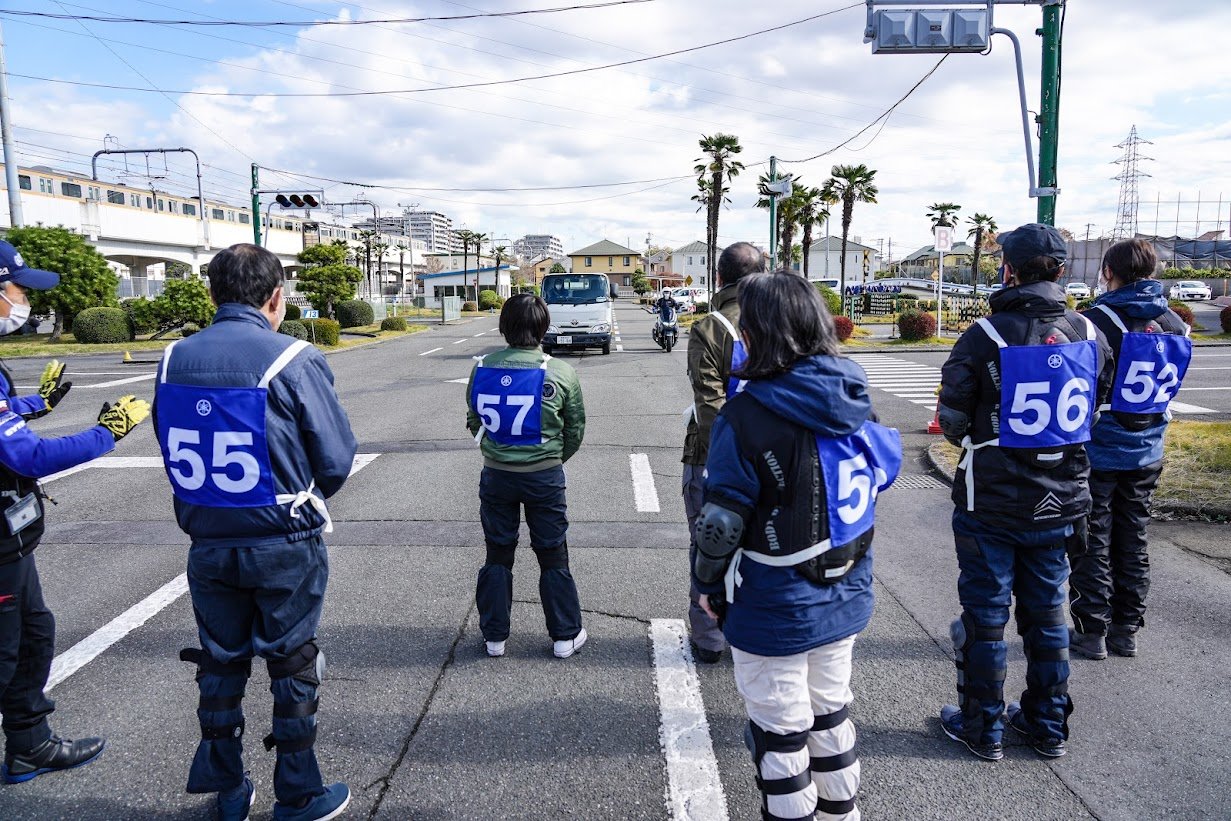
1126 217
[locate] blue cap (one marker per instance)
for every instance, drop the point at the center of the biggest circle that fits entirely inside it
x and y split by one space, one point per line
1033 240
14 269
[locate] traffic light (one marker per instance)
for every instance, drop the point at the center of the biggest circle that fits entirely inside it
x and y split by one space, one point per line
297 201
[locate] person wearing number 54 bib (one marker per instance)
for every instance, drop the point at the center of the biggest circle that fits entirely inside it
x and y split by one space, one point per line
784 537
525 409
1019 394
254 440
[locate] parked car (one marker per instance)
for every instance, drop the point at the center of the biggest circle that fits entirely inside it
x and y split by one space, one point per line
1078 290
1190 289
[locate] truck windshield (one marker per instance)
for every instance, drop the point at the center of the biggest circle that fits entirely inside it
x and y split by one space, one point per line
574 289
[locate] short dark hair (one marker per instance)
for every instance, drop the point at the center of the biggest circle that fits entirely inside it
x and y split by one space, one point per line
785 319
1131 260
739 260
1046 269
524 320
244 273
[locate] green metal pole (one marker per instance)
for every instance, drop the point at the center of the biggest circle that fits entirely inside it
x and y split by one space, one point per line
1049 111
256 204
773 215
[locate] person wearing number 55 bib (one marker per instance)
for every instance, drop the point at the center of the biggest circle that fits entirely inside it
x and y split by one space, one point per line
254 440
1111 569
525 409
1019 394
796 462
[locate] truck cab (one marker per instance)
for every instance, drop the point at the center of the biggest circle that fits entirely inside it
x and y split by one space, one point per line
580 309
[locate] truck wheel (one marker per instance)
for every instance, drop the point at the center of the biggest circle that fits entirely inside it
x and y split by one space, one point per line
606 348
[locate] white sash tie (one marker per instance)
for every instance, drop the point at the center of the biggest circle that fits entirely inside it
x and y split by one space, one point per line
306 497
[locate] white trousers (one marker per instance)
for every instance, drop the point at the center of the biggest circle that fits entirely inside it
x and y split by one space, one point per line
792 694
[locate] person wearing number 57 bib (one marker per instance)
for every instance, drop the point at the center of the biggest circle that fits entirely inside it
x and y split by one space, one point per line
254 440
1019 394
796 462
1111 569
525 410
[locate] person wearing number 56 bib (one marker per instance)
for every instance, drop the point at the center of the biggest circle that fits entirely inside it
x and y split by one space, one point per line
796 462
1019 394
1111 569
254 440
525 410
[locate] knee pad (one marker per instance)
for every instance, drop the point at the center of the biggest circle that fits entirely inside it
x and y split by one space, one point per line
306 664
761 741
1033 625
207 665
552 558
980 678
501 554
240 670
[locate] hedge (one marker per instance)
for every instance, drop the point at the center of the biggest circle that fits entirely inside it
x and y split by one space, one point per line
292 311
701 308
833 301
469 306
1224 319
1185 313
1195 273
293 327
95 326
354 313
393 323
489 300
189 329
844 327
915 326
326 331
141 317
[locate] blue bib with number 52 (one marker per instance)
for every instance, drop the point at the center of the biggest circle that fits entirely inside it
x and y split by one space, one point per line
1150 371
509 403
855 469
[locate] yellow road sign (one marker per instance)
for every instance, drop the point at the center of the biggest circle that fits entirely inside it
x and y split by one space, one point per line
688 280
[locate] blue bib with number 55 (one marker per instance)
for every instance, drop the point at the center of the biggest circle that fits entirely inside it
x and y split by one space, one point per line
855 469
509 403
1150 371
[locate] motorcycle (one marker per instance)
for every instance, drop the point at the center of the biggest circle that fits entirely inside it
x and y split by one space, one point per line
667 329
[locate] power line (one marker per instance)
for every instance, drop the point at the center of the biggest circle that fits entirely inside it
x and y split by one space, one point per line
315 23
415 189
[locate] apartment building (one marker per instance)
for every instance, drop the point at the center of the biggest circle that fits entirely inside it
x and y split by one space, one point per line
537 246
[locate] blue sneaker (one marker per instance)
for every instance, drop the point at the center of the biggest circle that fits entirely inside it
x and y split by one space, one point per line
328 804
951 723
233 804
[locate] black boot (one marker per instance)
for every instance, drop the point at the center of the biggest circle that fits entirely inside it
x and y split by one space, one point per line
1122 640
53 754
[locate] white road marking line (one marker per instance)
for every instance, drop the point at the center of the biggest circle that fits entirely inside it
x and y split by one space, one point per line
1204 389
1182 407
925 402
644 491
481 334
460 341
142 378
108 462
433 350
694 787
619 348
361 461
465 380
1225 368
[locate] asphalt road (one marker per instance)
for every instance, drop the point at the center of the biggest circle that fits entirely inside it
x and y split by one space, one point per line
422 725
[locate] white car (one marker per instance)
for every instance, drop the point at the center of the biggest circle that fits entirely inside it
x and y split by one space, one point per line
1190 289
1078 290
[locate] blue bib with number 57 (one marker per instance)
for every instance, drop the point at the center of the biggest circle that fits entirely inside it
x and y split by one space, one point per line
855 469
509 403
1150 370
1047 394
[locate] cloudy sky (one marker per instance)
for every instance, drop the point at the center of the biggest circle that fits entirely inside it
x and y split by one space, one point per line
793 93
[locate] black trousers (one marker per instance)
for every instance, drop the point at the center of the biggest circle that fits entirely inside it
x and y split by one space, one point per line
27 646
1111 571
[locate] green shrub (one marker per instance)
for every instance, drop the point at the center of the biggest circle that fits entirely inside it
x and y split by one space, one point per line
844 327
326 331
915 326
189 329
95 326
1224 319
489 300
293 327
702 308
926 305
354 313
142 318
469 306
1185 313
393 323
293 312
907 298
1085 305
833 301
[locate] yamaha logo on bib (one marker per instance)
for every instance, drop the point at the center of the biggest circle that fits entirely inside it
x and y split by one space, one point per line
1149 372
509 401
1047 394
204 408
856 468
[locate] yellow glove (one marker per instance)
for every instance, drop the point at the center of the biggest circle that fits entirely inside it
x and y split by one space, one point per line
51 388
123 416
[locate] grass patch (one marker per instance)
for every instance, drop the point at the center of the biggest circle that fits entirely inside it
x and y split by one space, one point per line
1206 338
40 345
355 341
899 343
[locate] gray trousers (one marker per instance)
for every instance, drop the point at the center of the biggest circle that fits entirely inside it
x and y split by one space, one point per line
705 631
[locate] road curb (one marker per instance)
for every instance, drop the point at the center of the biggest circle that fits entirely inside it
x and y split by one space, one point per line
937 463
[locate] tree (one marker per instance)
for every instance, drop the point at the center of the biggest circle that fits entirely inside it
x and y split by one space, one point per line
86 281
640 283
719 165
943 214
849 184
982 225
181 302
326 279
814 211
366 236
178 270
557 268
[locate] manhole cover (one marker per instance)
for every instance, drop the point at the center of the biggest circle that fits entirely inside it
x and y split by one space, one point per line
918 481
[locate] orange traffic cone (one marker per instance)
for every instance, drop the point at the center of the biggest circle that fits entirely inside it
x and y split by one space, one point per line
934 425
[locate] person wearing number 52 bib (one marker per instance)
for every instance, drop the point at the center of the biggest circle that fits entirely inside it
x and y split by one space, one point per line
1019 394
525 409
254 440
1111 569
796 462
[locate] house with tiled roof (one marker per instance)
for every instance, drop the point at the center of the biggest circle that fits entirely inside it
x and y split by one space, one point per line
607 257
691 260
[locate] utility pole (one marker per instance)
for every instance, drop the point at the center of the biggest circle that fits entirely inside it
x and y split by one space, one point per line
1049 112
256 204
16 220
773 214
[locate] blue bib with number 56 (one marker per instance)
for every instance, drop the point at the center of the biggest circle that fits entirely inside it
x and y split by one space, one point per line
1047 394
855 469
509 403
1150 371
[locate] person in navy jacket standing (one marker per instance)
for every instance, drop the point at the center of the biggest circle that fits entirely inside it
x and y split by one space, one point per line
254 440
784 543
27 627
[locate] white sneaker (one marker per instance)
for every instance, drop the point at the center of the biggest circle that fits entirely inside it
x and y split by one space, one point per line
566 648
495 649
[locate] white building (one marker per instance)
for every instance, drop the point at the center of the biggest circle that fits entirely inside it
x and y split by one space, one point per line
862 261
692 261
433 228
461 283
537 246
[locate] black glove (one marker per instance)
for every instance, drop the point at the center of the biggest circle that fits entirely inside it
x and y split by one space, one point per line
718 603
51 389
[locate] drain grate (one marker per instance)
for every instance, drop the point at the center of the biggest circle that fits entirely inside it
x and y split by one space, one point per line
918 481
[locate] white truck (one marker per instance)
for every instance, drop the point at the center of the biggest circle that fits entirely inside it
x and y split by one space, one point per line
580 308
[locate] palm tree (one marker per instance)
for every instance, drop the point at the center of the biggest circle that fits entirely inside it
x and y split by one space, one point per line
379 250
943 214
466 237
478 239
718 164
983 226
703 198
366 236
849 184
790 216
498 253
814 212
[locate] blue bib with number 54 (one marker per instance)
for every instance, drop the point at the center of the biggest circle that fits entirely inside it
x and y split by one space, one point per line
855 469
509 403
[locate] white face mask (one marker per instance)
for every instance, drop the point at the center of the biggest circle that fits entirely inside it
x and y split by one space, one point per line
18 316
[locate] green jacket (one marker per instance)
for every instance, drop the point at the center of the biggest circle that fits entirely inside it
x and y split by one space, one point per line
564 415
710 347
